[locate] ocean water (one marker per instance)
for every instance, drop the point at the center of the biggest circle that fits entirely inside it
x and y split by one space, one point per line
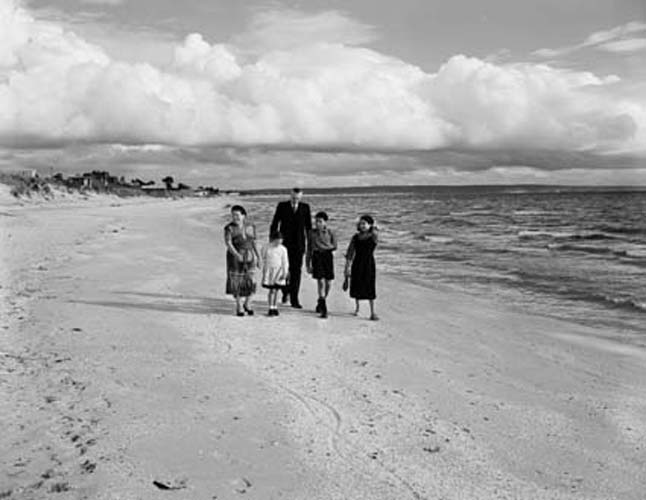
571 253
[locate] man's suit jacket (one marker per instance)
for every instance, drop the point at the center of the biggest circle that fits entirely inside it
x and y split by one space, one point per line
294 225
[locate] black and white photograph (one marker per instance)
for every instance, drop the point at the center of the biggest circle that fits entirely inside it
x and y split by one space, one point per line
322 250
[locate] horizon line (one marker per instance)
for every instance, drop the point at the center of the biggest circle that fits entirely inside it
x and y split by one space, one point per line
578 187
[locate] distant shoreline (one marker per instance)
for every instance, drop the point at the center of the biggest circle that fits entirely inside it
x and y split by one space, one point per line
27 184
504 188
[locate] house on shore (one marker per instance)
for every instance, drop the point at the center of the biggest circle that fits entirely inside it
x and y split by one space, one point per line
206 191
96 180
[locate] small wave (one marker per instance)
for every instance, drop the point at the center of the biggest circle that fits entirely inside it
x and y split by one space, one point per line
539 282
637 252
614 302
633 254
593 236
538 234
456 222
399 232
532 212
435 238
439 239
620 229
470 213
581 248
390 246
630 304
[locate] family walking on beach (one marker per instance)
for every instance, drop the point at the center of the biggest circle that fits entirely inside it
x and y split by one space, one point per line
291 239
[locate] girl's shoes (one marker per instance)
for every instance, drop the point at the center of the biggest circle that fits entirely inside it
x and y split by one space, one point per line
272 312
239 313
248 311
374 317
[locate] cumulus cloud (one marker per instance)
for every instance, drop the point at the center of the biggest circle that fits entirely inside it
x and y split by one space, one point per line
311 86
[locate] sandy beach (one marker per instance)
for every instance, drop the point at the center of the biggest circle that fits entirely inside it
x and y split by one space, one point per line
124 374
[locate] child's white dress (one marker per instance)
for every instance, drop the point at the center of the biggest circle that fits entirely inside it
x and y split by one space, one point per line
275 266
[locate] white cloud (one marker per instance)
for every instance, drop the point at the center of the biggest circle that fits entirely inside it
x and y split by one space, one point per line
55 88
103 2
618 37
625 46
552 53
615 33
288 28
215 62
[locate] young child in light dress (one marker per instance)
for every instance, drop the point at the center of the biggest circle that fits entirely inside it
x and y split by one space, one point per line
275 271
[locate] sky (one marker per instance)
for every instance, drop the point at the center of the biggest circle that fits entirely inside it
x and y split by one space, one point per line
327 93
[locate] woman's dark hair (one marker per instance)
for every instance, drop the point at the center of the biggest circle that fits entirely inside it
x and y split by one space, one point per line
275 235
367 218
238 208
321 215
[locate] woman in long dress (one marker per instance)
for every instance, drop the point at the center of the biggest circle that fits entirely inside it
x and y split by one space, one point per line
360 264
242 259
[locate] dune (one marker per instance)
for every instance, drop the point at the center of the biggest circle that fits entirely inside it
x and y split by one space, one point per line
125 374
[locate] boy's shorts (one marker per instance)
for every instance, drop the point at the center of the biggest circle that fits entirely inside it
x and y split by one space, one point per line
322 265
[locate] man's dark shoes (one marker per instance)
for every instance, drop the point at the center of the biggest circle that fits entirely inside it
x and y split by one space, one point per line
323 308
297 305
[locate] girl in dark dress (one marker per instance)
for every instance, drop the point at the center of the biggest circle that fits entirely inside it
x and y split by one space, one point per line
360 264
242 259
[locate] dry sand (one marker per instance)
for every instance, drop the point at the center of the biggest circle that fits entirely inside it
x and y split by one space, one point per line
125 375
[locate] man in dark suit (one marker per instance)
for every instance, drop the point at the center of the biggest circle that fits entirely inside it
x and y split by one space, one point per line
293 219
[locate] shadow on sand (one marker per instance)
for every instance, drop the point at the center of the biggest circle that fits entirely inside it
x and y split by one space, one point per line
186 304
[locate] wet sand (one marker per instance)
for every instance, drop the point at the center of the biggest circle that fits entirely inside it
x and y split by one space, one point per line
125 375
